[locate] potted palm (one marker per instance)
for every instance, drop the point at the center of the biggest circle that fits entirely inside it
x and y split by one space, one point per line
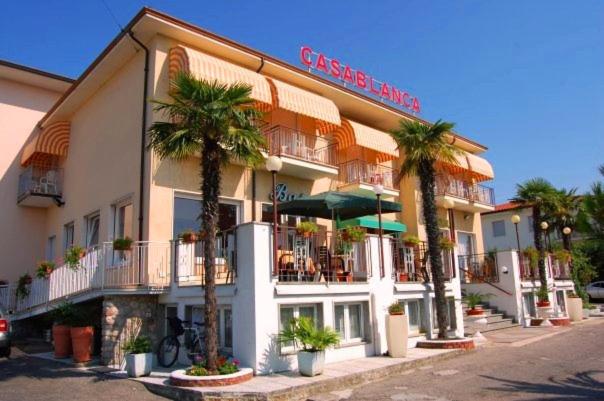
122 244
313 342
307 229
473 300
62 317
543 297
397 330
139 356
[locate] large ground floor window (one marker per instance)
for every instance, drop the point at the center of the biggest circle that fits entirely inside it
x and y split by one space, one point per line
289 312
224 322
415 310
187 211
351 321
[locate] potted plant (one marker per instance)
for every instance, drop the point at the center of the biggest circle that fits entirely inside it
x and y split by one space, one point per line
306 228
574 307
473 300
122 244
62 317
23 284
44 270
562 256
532 254
188 236
403 276
312 341
82 334
543 297
411 241
397 330
355 234
73 256
446 244
139 356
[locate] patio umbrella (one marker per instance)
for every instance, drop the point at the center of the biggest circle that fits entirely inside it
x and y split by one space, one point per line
341 205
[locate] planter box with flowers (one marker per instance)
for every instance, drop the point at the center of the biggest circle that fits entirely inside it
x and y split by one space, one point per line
307 229
45 269
73 256
228 372
122 244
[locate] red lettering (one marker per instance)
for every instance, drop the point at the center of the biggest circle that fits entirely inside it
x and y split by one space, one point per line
348 75
372 87
415 105
361 80
321 63
396 95
305 53
406 100
335 68
385 91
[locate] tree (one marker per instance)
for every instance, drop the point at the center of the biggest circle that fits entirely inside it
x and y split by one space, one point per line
591 216
564 211
425 147
216 121
540 195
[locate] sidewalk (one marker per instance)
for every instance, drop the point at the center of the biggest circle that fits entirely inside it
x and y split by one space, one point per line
292 386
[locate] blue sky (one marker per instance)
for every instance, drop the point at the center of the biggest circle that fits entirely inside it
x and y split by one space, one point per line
525 78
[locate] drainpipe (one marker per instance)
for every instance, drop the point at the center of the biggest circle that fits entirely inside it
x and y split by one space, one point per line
143 137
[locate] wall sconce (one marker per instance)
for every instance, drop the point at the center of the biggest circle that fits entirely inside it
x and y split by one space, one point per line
504 269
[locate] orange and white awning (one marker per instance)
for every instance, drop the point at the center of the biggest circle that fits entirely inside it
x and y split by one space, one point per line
352 133
209 68
303 102
53 140
474 166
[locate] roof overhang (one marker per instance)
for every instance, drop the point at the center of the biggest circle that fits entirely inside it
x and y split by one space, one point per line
33 77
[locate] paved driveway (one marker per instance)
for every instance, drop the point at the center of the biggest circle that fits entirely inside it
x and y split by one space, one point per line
32 379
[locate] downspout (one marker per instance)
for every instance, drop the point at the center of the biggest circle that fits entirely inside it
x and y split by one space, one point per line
141 187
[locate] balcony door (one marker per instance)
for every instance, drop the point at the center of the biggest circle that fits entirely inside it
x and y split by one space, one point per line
465 247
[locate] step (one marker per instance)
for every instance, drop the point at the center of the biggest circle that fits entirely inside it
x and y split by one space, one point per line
498 325
495 317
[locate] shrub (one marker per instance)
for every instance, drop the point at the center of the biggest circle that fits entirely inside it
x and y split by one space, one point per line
23 283
137 345
473 299
582 273
303 333
224 366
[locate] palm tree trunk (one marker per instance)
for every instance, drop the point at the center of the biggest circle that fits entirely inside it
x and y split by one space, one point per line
539 245
210 188
426 177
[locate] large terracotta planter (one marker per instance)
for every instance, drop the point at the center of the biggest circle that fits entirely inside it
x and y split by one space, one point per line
81 341
61 335
475 312
397 335
574 307
543 304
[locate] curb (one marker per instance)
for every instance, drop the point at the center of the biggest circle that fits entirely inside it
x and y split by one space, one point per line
302 392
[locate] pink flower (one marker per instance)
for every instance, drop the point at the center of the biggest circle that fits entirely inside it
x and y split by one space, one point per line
236 362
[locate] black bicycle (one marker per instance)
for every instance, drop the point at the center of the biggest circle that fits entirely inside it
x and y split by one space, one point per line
169 347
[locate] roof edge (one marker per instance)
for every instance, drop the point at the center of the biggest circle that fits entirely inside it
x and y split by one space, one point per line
36 71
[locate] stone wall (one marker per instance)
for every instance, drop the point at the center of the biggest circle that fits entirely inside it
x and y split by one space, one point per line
125 316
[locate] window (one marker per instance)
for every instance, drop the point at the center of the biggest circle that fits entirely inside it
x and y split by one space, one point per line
224 323
350 321
498 228
188 209
68 235
530 223
92 229
414 308
122 220
50 248
289 312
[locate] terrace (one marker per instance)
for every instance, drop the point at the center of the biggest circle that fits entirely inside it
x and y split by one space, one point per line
412 264
466 195
358 174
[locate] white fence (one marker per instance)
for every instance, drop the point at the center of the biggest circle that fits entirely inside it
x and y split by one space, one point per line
145 265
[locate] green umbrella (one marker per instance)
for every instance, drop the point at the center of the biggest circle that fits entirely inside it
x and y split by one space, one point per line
341 205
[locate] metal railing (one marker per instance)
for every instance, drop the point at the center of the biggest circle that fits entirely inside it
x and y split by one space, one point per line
560 270
449 185
361 172
320 257
412 263
479 268
189 268
35 180
145 265
284 141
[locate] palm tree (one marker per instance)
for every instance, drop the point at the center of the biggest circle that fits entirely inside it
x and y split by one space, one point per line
540 195
564 213
424 146
217 121
591 215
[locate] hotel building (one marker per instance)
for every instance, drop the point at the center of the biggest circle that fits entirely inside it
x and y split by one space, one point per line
87 178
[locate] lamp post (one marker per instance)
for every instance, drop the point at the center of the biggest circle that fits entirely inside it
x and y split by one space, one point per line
274 164
516 219
379 190
566 231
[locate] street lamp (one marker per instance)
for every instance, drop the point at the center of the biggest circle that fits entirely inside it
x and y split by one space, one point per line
274 165
544 226
516 219
379 190
566 231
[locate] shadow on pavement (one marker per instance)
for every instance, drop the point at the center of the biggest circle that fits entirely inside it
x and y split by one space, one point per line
581 386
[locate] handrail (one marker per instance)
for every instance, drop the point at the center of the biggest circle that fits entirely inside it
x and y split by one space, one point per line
485 282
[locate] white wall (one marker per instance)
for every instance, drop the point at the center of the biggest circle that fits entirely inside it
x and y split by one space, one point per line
508 241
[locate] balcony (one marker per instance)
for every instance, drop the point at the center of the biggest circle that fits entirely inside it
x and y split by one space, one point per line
473 198
478 268
303 155
412 263
40 187
361 175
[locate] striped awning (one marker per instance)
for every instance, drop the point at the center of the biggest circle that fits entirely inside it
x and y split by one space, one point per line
352 133
472 165
209 68
52 140
301 101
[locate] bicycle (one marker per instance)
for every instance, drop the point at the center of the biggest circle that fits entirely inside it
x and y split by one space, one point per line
169 346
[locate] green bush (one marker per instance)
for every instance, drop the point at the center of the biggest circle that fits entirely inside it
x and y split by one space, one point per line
582 273
474 299
303 333
137 345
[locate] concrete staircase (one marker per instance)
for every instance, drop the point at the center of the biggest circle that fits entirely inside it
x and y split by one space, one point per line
495 321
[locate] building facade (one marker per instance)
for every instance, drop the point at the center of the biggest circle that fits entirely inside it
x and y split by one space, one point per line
109 185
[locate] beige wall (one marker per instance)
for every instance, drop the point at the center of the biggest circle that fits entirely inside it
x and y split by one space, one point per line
22 235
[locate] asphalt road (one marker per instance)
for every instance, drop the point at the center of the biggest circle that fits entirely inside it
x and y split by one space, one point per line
568 366
32 379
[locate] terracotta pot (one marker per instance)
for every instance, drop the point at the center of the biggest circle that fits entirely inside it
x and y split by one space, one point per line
307 234
403 277
62 339
543 304
81 340
189 238
474 312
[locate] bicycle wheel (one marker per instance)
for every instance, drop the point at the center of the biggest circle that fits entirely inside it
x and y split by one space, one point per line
167 352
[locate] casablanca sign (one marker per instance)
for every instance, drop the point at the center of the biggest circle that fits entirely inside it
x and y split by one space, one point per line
283 194
359 79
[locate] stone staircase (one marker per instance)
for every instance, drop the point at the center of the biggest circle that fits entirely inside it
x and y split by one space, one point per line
495 320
